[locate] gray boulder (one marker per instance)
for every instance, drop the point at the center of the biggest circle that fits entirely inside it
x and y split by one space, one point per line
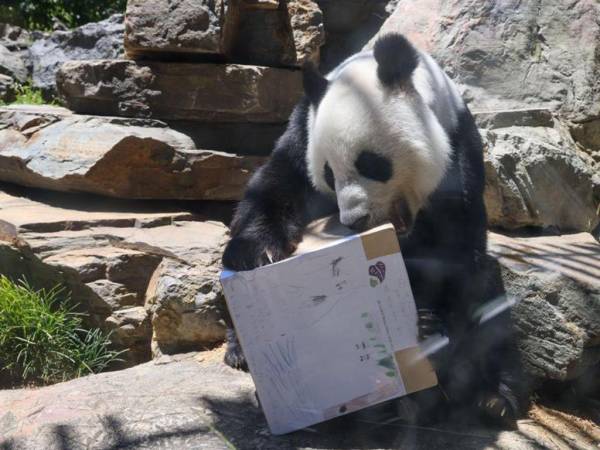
91 41
536 176
514 54
13 65
555 282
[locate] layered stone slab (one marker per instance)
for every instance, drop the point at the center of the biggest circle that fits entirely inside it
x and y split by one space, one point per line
52 149
176 91
148 273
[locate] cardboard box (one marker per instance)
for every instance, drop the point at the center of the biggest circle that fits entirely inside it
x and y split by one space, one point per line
330 330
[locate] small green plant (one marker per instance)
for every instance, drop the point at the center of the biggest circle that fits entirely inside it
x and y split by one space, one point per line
25 94
41 337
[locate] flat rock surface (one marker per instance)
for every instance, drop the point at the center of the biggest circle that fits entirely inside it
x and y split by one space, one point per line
193 401
148 272
52 149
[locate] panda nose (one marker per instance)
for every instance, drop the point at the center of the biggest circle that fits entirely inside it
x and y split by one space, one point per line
360 224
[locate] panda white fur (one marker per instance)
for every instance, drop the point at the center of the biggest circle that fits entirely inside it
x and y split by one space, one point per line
386 136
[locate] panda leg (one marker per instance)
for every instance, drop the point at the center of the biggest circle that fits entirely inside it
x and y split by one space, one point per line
506 400
493 341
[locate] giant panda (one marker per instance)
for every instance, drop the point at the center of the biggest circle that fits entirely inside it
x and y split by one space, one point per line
386 137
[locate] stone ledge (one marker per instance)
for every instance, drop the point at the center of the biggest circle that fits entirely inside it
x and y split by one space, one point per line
126 158
177 91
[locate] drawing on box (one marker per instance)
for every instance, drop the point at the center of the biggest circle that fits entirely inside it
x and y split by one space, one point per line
383 355
318 299
339 286
335 269
377 271
279 367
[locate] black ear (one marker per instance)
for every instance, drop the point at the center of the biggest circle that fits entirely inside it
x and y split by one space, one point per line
315 84
396 58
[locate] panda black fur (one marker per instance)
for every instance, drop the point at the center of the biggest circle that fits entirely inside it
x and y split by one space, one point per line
386 136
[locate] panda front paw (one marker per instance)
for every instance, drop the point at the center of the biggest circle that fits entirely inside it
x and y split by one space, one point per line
430 324
499 410
244 253
234 356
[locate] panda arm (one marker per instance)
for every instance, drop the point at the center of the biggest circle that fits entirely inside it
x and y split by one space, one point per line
274 211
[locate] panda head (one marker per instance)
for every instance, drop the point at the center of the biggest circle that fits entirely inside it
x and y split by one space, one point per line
373 142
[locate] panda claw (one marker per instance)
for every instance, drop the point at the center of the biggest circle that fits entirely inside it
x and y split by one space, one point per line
430 324
244 253
498 410
235 359
234 356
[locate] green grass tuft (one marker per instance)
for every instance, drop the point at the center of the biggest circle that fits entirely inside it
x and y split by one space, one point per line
26 94
41 337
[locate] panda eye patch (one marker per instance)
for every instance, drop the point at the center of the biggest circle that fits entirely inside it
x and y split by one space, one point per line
329 178
374 166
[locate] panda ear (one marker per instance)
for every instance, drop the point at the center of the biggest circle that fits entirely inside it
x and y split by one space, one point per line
315 84
396 58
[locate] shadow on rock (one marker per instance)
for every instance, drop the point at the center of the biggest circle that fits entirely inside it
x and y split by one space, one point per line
243 425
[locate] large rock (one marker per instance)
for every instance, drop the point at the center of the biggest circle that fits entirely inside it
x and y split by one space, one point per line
306 22
183 297
512 54
101 40
145 275
535 176
555 281
53 149
159 28
195 402
201 92
269 33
